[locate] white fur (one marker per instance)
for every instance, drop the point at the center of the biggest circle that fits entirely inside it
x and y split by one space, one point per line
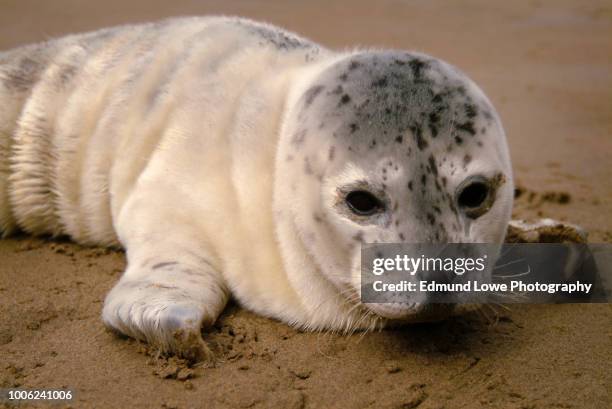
168 139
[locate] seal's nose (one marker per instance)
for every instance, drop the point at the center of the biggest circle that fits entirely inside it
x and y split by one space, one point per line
440 295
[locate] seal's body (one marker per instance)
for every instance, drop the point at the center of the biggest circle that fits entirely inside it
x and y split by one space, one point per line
232 157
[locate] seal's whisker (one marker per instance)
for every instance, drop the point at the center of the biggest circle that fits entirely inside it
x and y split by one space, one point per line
482 314
498 266
521 274
512 297
505 307
369 328
363 317
494 312
318 343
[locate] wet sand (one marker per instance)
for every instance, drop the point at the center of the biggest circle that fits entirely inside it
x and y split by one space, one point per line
546 65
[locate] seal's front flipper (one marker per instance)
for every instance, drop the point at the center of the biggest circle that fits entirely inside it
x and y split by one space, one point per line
563 256
166 303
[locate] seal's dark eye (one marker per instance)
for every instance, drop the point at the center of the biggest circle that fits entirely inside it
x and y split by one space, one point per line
474 198
363 203
473 195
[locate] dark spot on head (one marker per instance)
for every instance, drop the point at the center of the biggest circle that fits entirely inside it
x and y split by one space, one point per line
381 82
467 159
459 140
298 137
417 66
399 139
418 136
338 90
451 204
353 127
471 110
431 219
467 127
438 187
410 185
345 99
432 165
353 65
311 94
434 119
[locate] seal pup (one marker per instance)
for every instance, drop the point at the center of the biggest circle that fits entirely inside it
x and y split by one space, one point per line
233 157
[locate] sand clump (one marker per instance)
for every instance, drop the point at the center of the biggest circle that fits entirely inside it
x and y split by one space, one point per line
554 233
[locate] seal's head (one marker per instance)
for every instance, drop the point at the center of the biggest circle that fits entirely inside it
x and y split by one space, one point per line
391 147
